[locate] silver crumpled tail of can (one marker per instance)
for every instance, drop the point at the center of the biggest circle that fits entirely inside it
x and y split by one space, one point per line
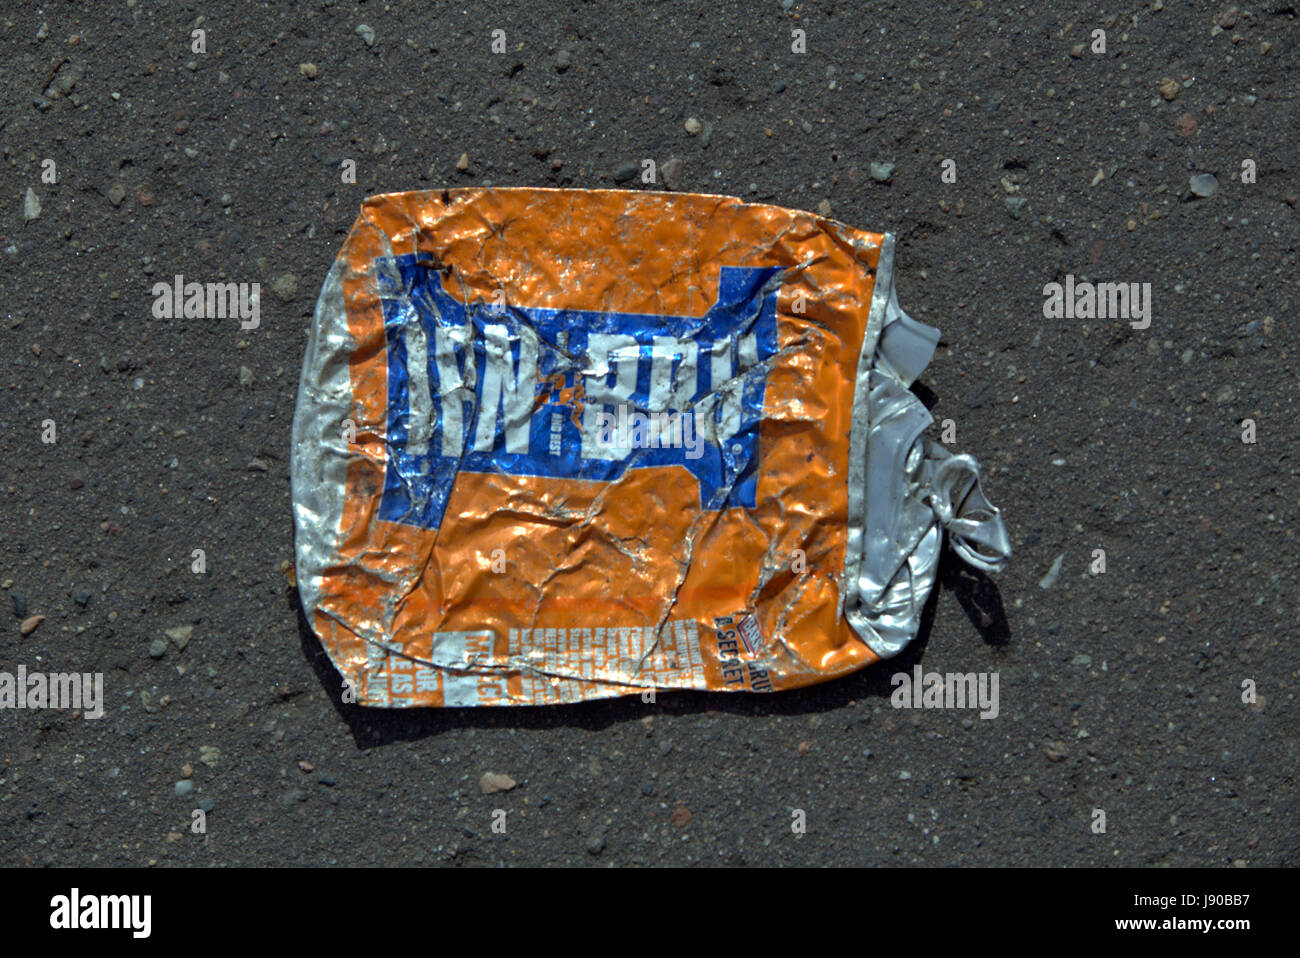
905 490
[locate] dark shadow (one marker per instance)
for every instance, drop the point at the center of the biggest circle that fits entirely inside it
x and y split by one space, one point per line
978 596
929 398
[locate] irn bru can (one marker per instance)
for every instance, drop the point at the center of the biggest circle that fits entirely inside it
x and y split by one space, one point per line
558 445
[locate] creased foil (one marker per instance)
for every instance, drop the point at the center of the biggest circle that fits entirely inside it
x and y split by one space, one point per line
558 445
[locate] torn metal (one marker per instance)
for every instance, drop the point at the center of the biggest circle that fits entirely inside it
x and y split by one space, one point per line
557 445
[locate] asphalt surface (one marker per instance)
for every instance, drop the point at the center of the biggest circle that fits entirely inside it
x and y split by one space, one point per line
1120 691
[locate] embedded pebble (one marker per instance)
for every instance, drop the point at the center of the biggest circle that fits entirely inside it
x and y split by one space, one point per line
1054 573
367 33
67 77
495 782
157 649
285 286
672 172
1204 184
183 787
31 205
882 172
180 635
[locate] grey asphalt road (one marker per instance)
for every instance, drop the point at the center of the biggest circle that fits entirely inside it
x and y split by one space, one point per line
1160 692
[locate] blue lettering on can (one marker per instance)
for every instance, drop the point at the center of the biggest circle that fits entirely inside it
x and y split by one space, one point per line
501 388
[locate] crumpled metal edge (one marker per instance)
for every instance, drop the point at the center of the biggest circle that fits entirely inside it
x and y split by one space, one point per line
904 489
319 465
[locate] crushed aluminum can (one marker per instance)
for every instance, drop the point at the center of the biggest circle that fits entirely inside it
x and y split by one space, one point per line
557 445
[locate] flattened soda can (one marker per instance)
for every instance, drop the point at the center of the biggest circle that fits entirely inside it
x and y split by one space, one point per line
558 445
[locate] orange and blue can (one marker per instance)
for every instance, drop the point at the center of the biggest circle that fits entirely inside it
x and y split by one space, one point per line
558 445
